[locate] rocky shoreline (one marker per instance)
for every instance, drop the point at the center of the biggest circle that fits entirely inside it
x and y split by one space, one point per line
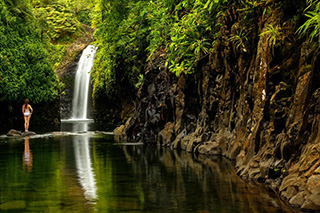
248 111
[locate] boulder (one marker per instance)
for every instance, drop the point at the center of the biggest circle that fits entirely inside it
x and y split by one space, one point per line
209 148
117 133
15 133
297 200
312 202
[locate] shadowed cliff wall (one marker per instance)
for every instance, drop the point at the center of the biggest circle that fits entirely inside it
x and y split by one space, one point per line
255 104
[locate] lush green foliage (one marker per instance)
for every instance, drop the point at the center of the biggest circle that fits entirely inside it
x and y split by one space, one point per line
121 37
60 24
313 22
24 69
191 34
81 9
57 21
130 32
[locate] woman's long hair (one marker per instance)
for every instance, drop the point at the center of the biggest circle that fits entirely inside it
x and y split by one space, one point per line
26 103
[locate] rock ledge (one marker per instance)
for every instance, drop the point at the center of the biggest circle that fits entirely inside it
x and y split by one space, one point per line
15 133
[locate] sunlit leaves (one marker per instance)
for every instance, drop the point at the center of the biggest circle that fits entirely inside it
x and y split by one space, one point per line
130 32
190 35
239 39
313 22
122 40
57 21
161 21
273 34
24 69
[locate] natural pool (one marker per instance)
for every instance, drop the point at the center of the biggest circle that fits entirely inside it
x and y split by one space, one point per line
81 170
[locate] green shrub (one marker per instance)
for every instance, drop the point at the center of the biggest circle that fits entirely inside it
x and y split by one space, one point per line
57 21
24 69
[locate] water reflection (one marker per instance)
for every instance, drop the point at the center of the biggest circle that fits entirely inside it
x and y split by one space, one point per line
196 183
86 172
83 162
27 156
77 125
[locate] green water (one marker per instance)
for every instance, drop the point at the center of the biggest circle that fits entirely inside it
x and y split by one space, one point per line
85 171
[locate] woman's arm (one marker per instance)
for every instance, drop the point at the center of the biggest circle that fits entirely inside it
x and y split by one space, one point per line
22 108
31 109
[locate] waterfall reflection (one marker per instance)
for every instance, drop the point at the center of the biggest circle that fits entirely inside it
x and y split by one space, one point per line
83 162
80 126
27 156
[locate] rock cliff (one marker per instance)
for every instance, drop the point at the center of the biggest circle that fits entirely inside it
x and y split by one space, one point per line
258 105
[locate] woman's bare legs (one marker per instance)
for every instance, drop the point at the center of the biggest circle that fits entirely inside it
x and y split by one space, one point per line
26 123
28 118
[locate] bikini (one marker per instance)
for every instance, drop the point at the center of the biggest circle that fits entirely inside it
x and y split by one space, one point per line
26 112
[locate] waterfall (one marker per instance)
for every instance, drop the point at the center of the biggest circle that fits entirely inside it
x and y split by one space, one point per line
82 84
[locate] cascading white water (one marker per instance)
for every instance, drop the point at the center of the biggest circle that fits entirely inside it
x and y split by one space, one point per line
82 83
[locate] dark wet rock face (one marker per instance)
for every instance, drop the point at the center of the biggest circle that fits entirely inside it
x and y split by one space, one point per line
257 109
154 108
67 77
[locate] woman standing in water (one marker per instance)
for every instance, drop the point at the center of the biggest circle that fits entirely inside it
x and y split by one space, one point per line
27 111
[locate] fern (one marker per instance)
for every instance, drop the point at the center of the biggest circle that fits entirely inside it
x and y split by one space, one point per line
313 22
239 40
273 34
